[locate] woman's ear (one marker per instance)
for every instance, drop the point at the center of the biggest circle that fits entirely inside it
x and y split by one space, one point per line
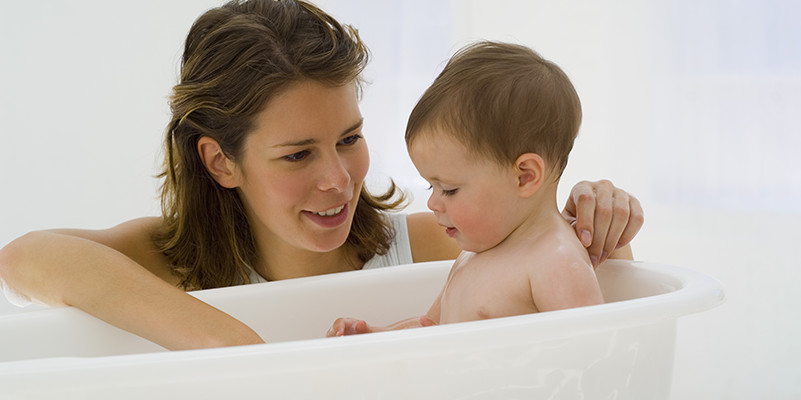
530 170
221 168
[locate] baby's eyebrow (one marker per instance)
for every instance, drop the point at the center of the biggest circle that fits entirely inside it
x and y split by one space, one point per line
433 180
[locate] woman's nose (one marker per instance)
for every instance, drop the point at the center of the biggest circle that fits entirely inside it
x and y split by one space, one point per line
335 175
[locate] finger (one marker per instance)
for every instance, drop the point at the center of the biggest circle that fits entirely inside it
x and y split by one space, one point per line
584 201
603 218
569 211
360 327
334 331
351 327
342 327
620 219
635 222
426 321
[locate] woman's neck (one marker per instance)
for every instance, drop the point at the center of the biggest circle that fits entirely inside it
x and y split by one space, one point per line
277 263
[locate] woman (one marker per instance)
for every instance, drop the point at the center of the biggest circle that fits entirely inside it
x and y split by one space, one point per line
263 180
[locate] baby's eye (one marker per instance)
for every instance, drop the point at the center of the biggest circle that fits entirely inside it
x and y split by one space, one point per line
294 157
350 140
445 192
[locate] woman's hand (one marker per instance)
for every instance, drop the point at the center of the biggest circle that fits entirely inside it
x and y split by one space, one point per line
605 217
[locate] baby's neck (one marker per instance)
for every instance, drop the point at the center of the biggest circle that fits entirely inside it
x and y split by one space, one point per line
543 217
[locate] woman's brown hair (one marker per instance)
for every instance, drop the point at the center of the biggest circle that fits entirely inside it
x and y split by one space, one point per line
236 58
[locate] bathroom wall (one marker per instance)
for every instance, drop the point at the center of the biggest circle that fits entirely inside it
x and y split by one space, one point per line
688 105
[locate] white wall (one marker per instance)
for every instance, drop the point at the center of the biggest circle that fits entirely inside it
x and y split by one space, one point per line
688 105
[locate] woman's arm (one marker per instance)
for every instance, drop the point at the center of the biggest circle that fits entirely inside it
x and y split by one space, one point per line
119 276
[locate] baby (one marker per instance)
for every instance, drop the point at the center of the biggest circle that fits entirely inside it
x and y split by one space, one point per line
492 136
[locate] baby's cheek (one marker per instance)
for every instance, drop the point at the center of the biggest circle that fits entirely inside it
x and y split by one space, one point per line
485 233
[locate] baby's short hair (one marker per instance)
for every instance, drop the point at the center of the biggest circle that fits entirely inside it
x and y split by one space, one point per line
502 100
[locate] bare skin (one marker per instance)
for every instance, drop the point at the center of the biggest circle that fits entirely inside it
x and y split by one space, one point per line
510 281
119 276
122 266
520 255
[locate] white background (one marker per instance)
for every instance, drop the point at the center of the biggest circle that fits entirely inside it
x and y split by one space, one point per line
692 106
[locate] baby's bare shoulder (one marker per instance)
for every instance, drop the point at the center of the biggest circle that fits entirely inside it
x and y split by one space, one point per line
563 277
551 250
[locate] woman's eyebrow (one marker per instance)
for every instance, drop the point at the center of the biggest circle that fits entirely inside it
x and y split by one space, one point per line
307 142
353 128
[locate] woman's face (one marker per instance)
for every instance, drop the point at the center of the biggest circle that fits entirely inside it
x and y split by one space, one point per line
303 167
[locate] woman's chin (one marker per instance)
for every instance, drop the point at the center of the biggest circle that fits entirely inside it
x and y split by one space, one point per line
330 241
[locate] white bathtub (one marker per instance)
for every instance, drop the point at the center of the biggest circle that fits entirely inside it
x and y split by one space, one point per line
620 350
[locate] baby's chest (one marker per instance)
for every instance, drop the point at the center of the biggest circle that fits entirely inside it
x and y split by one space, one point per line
475 293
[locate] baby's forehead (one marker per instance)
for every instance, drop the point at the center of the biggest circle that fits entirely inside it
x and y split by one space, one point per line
443 142
439 137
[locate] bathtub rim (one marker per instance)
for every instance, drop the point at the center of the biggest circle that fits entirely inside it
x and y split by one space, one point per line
694 292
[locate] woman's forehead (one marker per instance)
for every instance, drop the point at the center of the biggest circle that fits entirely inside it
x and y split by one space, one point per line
309 110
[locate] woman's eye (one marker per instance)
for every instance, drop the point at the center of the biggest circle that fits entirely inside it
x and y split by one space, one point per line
297 156
350 140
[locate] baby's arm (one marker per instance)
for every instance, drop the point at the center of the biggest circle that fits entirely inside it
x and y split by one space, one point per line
564 282
352 326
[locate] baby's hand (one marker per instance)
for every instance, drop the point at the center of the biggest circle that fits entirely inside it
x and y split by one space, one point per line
348 326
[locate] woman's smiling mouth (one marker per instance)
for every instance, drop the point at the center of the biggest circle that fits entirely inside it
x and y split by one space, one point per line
331 212
330 218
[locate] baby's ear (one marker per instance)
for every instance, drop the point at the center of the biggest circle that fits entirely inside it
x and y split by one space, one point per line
530 170
221 168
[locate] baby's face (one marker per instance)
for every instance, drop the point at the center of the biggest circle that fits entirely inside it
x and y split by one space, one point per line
473 198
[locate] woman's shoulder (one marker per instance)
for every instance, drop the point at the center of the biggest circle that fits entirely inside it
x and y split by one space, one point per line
428 240
133 238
